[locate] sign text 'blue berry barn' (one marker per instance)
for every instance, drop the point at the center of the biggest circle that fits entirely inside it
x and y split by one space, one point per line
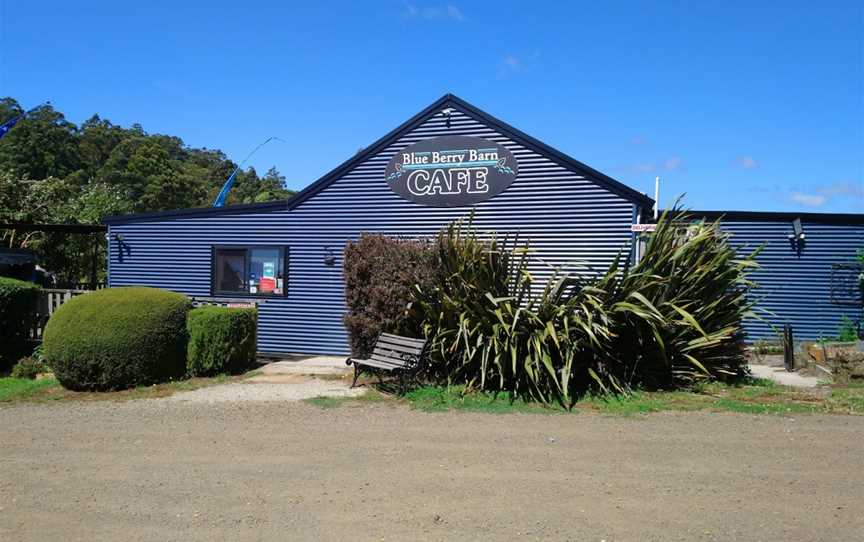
451 171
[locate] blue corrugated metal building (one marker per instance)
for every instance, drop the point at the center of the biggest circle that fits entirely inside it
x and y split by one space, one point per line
808 278
291 251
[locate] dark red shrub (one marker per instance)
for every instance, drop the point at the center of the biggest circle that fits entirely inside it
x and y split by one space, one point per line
380 273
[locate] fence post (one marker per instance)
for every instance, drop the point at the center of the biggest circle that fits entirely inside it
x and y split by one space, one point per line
788 348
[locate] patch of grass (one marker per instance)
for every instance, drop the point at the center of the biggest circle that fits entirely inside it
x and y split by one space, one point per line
439 399
752 396
765 407
18 389
849 399
643 402
325 402
371 396
48 389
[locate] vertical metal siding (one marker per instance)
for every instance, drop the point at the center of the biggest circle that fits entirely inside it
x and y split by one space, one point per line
795 288
565 216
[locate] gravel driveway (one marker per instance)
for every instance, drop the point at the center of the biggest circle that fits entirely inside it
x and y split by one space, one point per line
170 470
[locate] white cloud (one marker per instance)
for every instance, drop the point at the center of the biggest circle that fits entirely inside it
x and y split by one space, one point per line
851 190
644 168
672 163
455 13
810 200
746 162
821 195
514 63
434 13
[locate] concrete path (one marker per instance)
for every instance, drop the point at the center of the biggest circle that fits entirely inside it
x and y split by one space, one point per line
294 378
299 364
296 389
782 376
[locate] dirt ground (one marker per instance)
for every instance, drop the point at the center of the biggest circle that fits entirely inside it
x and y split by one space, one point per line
166 470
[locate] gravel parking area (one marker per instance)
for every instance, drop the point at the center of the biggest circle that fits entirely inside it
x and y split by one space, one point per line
249 470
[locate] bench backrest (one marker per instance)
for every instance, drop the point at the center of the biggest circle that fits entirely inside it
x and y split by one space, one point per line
398 351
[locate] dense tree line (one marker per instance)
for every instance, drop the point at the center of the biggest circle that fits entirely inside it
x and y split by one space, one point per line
53 171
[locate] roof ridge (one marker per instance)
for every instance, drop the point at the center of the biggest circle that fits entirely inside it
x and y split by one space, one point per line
381 143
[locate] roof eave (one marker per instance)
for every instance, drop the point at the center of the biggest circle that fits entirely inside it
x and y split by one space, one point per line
778 216
197 211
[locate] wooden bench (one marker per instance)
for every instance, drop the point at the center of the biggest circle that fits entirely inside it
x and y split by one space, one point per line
402 356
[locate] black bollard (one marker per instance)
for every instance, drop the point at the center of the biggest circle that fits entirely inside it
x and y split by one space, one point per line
788 348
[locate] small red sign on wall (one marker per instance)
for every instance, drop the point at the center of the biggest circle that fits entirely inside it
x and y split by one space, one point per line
637 228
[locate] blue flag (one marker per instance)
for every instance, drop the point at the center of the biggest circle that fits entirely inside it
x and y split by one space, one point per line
6 126
223 194
9 124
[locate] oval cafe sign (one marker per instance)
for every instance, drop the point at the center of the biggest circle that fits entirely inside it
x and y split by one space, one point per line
451 171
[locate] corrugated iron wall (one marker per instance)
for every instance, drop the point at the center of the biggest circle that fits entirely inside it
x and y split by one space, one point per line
795 287
567 218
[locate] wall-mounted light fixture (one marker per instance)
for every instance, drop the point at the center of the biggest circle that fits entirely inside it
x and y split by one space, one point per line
329 257
123 249
797 237
447 112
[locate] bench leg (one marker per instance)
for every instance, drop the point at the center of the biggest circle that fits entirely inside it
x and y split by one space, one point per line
356 375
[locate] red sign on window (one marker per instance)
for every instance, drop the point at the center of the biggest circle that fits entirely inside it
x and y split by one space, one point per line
267 284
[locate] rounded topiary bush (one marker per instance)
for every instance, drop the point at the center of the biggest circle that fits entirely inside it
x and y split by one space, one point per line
118 338
221 340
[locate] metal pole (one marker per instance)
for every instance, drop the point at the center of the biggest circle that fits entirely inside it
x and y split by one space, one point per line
93 262
788 348
656 196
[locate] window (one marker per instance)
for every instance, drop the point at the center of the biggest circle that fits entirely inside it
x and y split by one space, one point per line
847 283
249 271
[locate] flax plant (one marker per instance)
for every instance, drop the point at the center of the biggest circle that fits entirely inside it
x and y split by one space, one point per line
671 320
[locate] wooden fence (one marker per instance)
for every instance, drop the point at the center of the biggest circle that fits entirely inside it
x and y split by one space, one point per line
226 302
49 300
81 286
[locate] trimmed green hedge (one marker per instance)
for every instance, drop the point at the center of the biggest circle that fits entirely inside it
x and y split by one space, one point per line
118 338
18 301
221 340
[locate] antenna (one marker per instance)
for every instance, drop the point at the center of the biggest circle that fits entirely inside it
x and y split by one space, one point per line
223 194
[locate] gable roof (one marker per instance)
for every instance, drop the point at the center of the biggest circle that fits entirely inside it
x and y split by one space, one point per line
448 100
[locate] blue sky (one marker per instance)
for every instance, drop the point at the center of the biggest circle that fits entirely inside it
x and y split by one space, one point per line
744 106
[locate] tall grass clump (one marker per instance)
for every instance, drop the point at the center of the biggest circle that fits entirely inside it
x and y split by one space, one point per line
672 320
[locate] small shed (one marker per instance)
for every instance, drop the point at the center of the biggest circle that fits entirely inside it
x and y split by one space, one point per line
18 264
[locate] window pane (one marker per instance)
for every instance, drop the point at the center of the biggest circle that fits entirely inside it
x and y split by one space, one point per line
230 270
266 271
